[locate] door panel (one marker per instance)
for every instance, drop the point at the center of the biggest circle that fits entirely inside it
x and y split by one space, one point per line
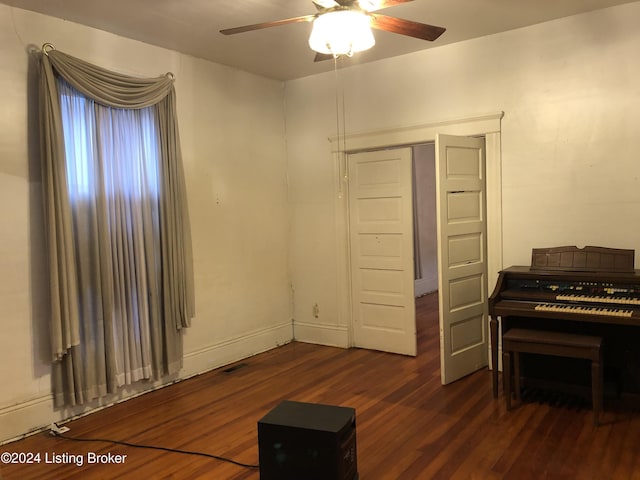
462 268
381 239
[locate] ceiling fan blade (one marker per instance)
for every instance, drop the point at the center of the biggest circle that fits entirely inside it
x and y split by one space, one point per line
406 27
258 26
320 57
324 4
373 5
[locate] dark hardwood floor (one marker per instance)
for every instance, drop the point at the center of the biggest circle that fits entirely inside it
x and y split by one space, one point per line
408 425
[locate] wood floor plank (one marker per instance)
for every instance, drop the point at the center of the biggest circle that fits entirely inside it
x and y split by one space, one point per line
409 426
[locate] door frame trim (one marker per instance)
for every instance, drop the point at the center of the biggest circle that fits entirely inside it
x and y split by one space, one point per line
487 125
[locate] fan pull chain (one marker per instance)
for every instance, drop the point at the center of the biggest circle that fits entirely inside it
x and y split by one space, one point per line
340 96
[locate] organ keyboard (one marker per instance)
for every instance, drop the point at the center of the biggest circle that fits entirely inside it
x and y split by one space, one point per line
604 300
582 310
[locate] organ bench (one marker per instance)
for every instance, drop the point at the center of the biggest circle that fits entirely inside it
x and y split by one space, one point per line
560 344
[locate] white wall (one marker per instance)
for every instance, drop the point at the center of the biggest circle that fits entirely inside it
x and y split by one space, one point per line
570 92
233 142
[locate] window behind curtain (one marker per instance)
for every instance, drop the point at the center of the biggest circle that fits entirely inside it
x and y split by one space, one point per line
112 160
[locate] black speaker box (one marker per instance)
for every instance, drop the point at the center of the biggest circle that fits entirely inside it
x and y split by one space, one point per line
308 441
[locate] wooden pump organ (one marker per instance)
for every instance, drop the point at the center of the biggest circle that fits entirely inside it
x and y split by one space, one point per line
590 291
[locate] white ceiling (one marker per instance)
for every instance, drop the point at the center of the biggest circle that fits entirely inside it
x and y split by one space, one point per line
192 26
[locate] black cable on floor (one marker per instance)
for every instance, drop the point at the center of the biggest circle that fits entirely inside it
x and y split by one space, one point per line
153 447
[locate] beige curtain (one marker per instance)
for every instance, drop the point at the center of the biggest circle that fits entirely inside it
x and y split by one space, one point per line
95 342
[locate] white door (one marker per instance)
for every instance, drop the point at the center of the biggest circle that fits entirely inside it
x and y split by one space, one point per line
381 239
462 247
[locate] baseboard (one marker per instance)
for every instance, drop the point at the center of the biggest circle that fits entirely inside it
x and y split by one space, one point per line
25 418
321 334
237 348
36 414
423 286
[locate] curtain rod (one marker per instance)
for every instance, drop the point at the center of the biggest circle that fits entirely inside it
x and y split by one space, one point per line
47 47
50 46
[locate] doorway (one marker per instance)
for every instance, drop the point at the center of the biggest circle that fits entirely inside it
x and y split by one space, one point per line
425 244
487 126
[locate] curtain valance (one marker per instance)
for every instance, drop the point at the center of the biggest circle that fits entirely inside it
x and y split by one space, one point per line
109 88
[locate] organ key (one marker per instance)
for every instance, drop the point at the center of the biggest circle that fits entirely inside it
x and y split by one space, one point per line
582 310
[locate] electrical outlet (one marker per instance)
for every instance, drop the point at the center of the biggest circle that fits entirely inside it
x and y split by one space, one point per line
56 430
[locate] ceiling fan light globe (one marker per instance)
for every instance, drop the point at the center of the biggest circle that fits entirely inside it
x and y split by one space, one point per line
341 32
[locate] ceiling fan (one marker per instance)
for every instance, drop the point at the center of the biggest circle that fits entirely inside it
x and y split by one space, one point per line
343 27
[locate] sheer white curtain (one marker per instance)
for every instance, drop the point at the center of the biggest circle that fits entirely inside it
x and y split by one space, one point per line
118 232
112 164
